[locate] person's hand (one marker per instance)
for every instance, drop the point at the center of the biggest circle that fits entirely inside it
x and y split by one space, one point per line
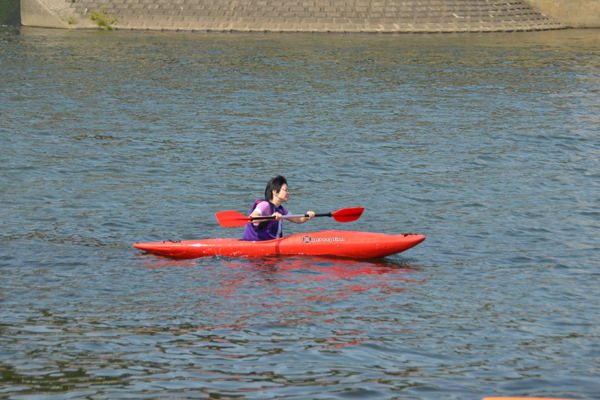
311 214
277 216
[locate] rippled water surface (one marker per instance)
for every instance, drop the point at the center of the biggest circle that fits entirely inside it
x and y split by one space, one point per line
488 144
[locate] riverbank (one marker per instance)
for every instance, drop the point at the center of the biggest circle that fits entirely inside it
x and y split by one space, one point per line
359 16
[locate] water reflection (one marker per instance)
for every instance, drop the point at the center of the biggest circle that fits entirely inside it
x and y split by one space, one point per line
294 282
257 312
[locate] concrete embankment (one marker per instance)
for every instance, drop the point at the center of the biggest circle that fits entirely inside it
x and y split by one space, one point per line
572 13
350 16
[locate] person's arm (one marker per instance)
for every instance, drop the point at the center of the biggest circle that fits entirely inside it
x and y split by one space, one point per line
256 213
262 210
301 220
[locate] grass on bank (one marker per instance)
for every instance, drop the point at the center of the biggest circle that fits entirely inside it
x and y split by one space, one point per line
102 20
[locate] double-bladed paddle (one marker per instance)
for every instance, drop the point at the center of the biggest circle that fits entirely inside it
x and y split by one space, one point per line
230 219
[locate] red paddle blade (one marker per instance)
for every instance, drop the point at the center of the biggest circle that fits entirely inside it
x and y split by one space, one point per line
348 214
229 219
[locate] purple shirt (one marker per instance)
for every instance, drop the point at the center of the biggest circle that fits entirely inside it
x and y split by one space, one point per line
272 229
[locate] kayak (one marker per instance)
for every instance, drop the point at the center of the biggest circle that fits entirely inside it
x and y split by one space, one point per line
325 243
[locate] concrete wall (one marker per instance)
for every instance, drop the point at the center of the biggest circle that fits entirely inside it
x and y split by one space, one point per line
372 16
573 13
44 13
407 16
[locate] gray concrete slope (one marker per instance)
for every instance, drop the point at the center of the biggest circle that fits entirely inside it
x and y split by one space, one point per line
351 16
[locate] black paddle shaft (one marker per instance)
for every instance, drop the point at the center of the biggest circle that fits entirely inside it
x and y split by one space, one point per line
305 215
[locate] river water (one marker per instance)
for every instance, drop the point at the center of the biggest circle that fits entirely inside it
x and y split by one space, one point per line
486 143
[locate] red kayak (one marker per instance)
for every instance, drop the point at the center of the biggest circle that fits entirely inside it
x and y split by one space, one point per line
325 243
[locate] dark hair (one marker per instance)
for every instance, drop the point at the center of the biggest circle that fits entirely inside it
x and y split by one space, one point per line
274 184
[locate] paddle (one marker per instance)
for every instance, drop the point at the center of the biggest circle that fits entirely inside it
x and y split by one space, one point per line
230 219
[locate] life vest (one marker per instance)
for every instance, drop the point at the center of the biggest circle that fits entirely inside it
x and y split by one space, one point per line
266 230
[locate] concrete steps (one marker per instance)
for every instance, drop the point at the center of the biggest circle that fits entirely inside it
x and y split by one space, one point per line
377 16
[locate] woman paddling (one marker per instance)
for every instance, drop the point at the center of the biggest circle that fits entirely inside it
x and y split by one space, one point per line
276 193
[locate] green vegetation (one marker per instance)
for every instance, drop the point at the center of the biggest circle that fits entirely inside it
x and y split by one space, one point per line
70 20
10 12
102 20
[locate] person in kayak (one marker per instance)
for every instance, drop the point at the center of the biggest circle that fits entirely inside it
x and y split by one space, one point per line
276 193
